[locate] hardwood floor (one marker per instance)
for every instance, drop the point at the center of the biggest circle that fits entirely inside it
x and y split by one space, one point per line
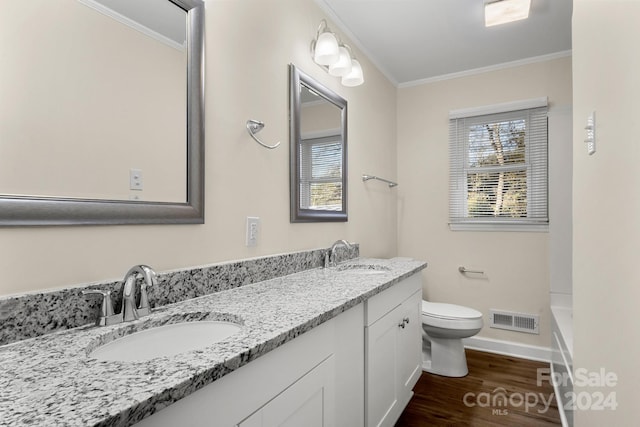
498 391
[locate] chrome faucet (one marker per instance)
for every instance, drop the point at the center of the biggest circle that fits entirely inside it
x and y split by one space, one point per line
330 257
129 311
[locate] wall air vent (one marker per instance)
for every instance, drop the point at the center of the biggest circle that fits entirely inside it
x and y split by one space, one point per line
519 322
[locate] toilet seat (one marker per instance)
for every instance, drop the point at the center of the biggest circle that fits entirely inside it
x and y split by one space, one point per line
449 311
450 316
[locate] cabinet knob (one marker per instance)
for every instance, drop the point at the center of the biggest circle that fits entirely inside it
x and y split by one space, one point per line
405 320
401 324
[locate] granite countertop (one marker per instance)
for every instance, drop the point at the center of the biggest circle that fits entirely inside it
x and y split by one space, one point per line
51 381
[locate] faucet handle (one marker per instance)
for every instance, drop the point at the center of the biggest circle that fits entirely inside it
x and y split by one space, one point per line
150 279
106 308
143 308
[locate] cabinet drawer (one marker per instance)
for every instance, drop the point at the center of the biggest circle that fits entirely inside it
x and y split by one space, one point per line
381 304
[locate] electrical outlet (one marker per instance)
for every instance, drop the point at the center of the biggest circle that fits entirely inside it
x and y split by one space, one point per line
253 224
135 179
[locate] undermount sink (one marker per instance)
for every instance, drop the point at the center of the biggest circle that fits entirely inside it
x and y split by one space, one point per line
363 268
165 340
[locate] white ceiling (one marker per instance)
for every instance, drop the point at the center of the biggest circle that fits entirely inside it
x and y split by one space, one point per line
412 41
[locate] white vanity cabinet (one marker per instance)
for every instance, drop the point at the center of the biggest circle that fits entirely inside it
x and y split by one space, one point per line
308 402
354 370
313 380
393 351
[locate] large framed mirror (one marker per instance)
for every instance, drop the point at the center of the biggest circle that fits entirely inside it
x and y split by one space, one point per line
102 112
318 151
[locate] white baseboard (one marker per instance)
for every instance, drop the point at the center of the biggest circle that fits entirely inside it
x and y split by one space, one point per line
509 348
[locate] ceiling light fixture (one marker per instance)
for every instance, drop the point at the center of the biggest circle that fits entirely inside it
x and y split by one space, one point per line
336 57
504 11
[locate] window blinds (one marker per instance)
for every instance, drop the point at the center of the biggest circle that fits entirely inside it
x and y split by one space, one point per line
498 168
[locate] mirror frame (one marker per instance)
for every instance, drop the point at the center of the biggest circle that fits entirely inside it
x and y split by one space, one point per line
296 79
51 211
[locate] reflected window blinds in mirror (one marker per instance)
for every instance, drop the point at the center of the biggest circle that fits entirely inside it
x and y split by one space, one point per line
94 93
318 151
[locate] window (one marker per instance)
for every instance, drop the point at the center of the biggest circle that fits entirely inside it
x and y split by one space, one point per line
498 167
321 173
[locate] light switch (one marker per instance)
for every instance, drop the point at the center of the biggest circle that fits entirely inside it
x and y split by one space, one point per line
591 133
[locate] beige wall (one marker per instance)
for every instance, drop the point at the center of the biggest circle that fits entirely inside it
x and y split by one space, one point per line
606 203
249 46
516 264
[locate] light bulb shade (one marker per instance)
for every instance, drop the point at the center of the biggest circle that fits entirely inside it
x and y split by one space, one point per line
355 77
326 50
342 67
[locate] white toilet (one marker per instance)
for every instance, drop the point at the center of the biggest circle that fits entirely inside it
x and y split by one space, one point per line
444 326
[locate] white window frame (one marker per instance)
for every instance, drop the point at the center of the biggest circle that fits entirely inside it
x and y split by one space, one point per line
538 218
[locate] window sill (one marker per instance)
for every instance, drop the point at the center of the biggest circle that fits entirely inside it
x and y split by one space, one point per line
524 228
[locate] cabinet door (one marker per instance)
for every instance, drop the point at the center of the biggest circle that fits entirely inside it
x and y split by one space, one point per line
410 347
307 402
394 359
382 371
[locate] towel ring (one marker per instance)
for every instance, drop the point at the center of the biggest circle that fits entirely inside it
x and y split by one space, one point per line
255 126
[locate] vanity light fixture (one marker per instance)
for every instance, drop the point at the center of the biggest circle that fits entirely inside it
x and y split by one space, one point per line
355 77
325 47
336 57
342 66
504 11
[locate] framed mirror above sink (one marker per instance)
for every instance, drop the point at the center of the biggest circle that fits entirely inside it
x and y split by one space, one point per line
101 117
318 151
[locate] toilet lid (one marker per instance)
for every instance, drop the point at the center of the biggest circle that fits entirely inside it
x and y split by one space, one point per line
449 311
